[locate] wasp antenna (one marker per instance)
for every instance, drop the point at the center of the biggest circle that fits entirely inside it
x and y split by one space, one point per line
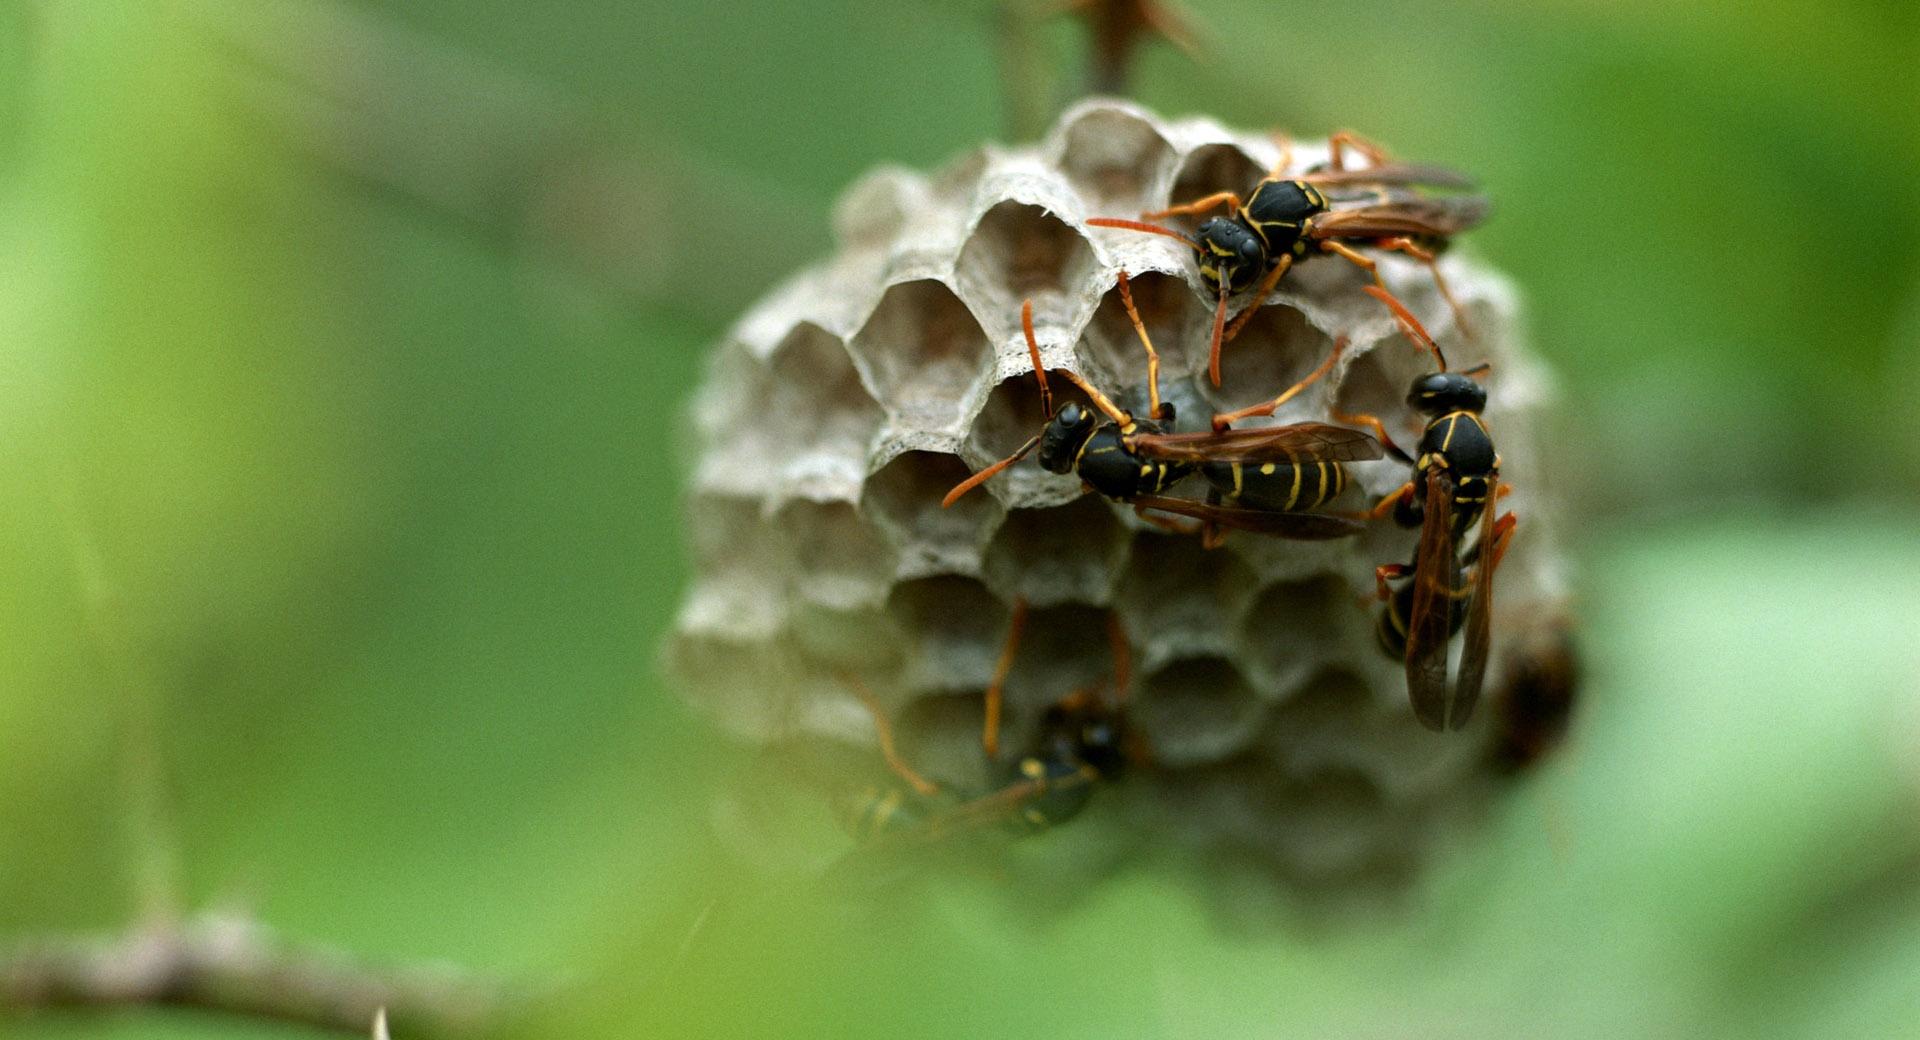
1480 369
985 475
1219 327
1033 351
1141 225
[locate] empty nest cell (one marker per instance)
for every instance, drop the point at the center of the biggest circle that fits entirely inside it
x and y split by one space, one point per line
1020 251
1196 710
951 627
903 500
1058 554
1112 157
924 352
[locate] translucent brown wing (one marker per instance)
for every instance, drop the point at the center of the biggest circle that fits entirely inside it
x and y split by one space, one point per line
1305 527
1473 655
1392 173
1300 442
1429 622
1439 217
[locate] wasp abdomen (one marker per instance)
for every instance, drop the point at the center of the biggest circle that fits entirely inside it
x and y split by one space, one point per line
1280 486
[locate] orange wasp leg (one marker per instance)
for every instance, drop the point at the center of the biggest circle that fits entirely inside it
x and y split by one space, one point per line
883 729
1196 207
1222 421
996 690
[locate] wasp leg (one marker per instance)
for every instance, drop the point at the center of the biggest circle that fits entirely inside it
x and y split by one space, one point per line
1213 348
996 690
1340 141
1425 256
1379 432
1387 572
1196 207
1502 537
1221 422
883 729
1386 503
1284 142
1153 356
1167 523
1261 291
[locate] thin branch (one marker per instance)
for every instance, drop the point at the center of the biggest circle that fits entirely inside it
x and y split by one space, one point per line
236 966
1117 28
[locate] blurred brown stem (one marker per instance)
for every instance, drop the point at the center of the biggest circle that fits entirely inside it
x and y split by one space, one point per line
235 966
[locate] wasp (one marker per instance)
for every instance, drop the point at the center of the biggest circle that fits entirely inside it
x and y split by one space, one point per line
1260 476
1288 220
1454 490
1083 740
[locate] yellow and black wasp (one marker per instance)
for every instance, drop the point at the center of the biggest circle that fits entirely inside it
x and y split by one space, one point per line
1263 479
1455 488
1083 740
1287 220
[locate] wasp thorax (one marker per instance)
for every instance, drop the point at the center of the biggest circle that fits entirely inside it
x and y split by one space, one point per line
1442 392
1061 441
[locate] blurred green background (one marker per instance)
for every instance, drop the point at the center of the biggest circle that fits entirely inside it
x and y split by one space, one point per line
342 349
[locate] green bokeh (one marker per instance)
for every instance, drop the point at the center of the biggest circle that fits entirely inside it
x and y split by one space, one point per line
352 500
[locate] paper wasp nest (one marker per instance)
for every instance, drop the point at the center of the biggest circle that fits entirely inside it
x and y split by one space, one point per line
844 405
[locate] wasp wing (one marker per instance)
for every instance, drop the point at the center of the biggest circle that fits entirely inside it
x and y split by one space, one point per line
1297 443
1473 655
1305 527
1440 218
1430 621
1392 173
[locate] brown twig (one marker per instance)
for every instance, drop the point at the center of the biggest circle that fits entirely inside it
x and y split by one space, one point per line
236 966
1116 28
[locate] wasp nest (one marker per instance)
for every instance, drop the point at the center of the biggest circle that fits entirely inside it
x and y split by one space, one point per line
841 409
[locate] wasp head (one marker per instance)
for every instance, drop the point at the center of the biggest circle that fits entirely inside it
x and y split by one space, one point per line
1060 442
1443 392
1231 257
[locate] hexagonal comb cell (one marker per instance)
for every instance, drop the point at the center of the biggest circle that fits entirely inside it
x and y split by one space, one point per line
1112 157
815 392
1209 169
1062 650
1058 554
1295 626
923 351
837 557
952 629
1175 320
903 499
1197 709
1182 599
1020 251
1275 350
